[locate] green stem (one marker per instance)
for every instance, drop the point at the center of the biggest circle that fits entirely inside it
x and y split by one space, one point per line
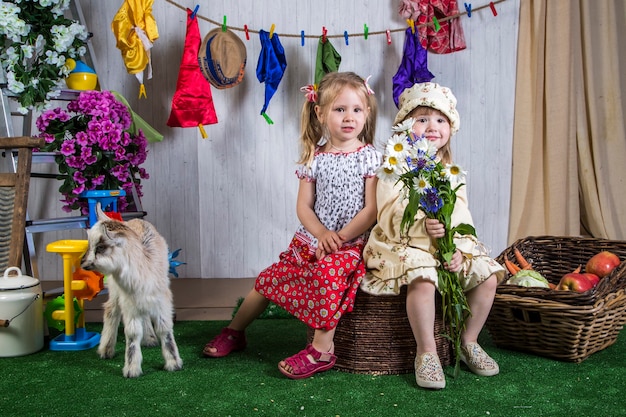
453 301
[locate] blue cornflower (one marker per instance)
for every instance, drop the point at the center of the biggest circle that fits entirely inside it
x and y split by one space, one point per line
431 201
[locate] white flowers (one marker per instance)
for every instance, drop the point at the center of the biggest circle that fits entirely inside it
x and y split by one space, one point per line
14 85
454 173
398 146
37 41
404 126
386 172
421 184
63 36
11 25
415 157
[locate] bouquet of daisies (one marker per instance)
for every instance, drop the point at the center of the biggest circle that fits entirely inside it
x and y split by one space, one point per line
431 186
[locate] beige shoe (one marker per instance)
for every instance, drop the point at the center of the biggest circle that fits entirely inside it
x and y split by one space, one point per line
428 371
478 361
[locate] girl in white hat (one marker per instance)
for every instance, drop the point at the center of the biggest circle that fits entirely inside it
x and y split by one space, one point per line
394 259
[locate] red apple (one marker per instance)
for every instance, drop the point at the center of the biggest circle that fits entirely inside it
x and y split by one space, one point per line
602 263
574 282
592 277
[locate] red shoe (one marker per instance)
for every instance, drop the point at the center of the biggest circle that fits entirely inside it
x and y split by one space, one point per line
302 367
227 341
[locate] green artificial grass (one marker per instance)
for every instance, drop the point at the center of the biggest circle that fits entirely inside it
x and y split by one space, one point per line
248 383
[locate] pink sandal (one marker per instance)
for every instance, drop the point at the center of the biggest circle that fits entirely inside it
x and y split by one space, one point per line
227 341
302 367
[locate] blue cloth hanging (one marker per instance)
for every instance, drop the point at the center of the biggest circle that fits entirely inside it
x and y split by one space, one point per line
271 66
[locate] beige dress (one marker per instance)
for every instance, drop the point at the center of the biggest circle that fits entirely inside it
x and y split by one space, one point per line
393 260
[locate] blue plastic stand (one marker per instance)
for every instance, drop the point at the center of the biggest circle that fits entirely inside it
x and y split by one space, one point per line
81 340
107 199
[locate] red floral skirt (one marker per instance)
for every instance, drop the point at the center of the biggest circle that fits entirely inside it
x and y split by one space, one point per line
317 292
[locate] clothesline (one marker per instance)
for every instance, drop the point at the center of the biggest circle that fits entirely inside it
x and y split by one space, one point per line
386 32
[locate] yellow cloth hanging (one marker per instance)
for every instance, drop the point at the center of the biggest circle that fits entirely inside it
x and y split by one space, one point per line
135 30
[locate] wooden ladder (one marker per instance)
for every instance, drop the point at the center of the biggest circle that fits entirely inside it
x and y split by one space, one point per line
22 161
14 199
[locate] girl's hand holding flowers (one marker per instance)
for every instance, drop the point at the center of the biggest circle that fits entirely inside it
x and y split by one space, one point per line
455 263
435 228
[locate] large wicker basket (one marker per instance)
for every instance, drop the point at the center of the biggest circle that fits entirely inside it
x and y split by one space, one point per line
376 337
562 325
554 257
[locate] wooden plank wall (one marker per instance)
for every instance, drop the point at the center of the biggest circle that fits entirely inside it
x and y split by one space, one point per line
228 201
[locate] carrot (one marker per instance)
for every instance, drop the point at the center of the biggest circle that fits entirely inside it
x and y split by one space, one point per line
510 266
577 270
523 263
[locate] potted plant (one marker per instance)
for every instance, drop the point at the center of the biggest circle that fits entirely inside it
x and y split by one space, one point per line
98 148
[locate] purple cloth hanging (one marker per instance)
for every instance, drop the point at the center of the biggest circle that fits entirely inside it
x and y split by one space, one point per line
414 66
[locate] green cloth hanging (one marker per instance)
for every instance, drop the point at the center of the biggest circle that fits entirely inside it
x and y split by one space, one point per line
328 60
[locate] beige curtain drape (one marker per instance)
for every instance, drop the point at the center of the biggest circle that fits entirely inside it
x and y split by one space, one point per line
569 136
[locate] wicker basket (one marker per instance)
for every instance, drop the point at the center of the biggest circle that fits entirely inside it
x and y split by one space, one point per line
554 257
562 325
376 337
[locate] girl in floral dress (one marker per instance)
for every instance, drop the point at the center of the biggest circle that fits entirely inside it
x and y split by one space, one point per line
395 259
317 277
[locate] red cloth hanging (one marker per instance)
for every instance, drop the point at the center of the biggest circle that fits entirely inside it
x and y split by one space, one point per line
450 36
192 104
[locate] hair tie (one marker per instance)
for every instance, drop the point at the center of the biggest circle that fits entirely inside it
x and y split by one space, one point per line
310 92
367 86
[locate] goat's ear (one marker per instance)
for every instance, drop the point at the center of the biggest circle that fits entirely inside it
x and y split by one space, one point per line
99 213
115 236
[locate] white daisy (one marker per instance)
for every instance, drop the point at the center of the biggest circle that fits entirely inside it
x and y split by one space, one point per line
454 173
404 126
426 147
391 161
421 184
397 146
387 173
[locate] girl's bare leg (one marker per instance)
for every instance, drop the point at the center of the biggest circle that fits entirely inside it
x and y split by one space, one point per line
252 306
480 300
420 310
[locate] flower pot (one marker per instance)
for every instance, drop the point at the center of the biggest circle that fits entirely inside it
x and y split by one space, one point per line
106 198
82 81
21 314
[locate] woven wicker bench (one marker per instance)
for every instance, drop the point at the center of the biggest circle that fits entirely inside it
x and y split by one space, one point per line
376 337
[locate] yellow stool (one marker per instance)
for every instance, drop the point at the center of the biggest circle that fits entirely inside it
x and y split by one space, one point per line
75 337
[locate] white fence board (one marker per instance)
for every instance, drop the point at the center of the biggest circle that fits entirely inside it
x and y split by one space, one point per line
228 201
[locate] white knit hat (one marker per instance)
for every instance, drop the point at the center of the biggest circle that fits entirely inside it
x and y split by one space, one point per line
429 95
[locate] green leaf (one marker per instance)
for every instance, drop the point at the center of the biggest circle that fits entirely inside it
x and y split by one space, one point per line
408 217
464 229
